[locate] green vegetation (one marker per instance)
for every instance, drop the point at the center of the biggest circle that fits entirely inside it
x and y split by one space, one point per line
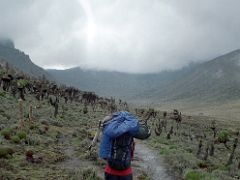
197 175
6 133
22 82
2 93
15 139
22 135
223 136
194 175
5 152
57 147
183 154
2 72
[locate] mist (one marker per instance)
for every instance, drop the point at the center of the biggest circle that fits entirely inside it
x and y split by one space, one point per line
135 36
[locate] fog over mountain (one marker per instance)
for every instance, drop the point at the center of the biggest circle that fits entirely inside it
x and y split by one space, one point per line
214 81
136 36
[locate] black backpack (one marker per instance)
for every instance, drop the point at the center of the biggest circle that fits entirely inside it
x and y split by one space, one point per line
121 152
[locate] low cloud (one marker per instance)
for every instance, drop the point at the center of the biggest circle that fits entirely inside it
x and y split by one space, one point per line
135 36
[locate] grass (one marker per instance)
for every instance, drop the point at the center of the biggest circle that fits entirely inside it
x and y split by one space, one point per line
74 128
198 175
43 136
181 152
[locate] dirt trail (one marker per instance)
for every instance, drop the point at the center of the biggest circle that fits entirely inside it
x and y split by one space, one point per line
146 160
149 160
73 162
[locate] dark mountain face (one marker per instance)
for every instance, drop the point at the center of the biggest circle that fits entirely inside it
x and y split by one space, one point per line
218 79
215 80
20 60
5 42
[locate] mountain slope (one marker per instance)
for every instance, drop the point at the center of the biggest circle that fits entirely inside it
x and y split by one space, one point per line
122 85
218 79
20 60
215 80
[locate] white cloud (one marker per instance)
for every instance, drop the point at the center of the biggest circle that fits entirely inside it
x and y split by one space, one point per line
131 36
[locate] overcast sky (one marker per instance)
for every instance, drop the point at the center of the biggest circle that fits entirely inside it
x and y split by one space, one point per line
123 35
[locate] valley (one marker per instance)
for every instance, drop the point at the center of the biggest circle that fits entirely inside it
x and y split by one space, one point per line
47 127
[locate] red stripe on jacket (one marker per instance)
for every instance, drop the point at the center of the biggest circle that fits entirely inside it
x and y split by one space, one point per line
125 172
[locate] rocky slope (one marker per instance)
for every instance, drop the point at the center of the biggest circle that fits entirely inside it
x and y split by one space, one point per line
20 60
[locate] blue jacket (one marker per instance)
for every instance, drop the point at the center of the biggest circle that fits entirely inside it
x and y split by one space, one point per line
122 122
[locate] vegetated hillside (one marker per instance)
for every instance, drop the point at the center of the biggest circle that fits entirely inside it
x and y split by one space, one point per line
212 81
122 85
19 59
46 130
49 137
37 143
103 82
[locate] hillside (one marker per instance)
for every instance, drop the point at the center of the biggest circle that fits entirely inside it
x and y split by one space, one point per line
19 59
211 81
117 84
37 142
215 80
49 137
103 82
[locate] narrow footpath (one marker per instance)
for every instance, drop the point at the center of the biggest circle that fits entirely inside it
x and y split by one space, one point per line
149 160
145 160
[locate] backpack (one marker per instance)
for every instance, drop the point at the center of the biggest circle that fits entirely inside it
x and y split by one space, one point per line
121 150
144 132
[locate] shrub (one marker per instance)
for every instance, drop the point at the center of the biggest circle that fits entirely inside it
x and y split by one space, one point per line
33 126
22 82
194 175
6 133
5 152
22 135
2 93
2 72
223 136
15 139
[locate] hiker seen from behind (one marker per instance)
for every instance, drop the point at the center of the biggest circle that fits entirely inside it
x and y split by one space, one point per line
117 143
